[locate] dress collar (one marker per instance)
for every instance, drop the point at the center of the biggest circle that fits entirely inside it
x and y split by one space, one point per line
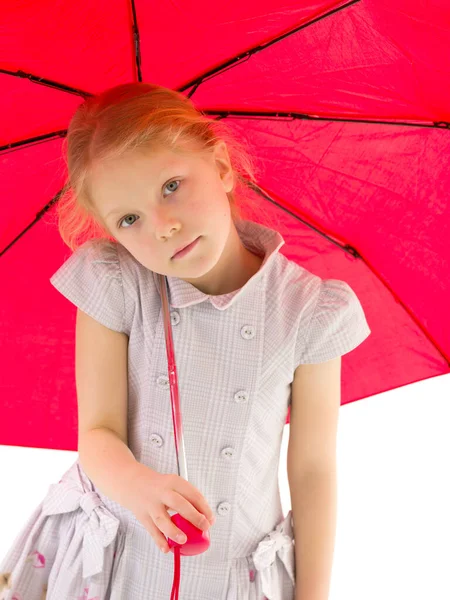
256 238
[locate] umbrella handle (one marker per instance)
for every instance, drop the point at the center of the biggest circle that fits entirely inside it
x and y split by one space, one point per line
198 541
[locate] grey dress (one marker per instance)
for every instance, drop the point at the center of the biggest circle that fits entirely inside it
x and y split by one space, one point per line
236 355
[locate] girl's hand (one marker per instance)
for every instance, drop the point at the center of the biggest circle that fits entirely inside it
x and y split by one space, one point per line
151 494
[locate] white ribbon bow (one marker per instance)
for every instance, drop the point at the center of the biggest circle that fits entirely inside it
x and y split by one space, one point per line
275 542
101 528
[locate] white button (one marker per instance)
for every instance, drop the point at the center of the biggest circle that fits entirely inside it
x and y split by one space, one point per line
227 452
248 332
224 508
156 440
174 318
163 381
241 396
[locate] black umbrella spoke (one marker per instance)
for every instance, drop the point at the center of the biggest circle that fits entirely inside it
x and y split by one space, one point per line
137 42
32 141
291 116
233 62
47 82
263 116
39 215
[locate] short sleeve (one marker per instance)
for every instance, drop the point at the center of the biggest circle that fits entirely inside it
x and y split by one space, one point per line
91 279
334 325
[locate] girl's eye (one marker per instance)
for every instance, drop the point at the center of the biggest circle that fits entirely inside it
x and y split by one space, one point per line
124 220
128 224
171 182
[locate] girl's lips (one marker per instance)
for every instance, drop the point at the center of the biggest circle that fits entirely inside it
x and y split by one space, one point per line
183 252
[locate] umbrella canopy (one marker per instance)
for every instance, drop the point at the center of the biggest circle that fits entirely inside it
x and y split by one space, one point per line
345 108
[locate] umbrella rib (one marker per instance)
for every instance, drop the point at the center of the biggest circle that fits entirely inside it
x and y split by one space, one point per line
39 215
47 82
351 250
268 115
137 42
233 62
278 115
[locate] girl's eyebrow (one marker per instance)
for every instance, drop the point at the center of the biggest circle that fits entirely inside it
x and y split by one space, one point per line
114 212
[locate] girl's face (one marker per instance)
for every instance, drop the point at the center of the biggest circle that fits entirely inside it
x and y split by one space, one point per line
155 202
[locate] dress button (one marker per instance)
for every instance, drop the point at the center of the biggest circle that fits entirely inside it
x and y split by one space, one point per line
224 508
174 318
227 452
156 440
241 396
248 332
163 382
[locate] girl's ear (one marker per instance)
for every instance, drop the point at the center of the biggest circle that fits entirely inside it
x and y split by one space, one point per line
223 163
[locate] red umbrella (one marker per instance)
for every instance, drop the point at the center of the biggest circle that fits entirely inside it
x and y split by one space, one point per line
345 109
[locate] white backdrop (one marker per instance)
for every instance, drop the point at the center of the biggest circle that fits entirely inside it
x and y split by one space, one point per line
393 527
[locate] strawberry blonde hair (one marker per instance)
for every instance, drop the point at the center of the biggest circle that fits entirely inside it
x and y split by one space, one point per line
130 116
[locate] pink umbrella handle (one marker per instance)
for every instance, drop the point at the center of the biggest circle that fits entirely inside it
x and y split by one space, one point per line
197 540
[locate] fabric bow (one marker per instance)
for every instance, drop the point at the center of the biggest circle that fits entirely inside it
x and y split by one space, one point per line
101 528
276 542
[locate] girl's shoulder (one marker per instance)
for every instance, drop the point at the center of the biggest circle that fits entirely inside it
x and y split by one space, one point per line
306 287
104 280
291 281
328 315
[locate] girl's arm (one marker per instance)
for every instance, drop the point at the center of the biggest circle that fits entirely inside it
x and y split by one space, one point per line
102 396
312 474
108 463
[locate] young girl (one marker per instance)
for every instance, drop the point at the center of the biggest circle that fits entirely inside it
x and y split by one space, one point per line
154 190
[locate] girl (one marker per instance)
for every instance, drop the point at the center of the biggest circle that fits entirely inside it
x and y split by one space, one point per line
154 190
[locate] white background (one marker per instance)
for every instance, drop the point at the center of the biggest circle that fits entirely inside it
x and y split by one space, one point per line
393 527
